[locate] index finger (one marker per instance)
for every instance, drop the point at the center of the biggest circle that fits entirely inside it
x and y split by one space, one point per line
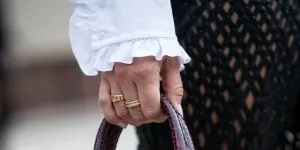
106 104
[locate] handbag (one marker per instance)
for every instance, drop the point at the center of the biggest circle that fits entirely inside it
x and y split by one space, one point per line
108 134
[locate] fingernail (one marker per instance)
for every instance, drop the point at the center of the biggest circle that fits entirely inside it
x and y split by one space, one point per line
122 125
180 109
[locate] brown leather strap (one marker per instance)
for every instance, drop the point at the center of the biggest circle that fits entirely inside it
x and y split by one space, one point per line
108 134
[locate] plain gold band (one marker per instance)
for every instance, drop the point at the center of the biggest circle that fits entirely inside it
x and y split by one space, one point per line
117 98
132 103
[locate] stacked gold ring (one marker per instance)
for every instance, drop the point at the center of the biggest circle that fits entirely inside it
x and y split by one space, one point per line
128 104
132 103
117 98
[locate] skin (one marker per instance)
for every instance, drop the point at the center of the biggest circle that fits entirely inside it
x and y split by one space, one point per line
140 81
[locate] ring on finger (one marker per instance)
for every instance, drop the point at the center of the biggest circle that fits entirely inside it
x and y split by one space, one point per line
132 103
117 98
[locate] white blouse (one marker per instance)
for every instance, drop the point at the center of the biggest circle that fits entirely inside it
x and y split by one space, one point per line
103 32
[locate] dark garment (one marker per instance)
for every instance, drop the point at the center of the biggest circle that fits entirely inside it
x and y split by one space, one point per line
242 85
1 62
3 101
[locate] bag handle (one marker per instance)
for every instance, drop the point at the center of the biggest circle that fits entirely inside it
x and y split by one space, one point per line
108 134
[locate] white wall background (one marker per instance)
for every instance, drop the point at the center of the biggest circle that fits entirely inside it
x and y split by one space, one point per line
39 28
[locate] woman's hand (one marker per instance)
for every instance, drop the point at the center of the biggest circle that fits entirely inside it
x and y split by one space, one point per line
140 81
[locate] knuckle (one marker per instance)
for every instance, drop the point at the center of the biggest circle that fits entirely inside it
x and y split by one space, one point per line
122 114
121 71
143 71
111 119
138 118
179 91
151 114
146 76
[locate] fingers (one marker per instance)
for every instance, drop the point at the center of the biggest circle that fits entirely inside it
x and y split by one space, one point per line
130 92
137 81
172 83
147 82
150 102
119 107
106 104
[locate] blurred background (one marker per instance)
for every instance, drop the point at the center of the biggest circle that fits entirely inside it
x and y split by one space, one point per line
46 103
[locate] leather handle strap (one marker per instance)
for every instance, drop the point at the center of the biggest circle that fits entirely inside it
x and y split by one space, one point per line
108 134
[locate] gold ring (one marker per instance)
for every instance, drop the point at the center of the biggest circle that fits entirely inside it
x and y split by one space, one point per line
132 103
117 98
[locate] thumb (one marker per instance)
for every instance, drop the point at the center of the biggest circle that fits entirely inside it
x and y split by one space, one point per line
172 83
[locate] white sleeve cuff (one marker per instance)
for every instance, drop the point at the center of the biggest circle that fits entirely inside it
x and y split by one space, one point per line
124 52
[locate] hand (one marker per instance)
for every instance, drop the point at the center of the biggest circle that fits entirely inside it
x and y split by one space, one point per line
140 81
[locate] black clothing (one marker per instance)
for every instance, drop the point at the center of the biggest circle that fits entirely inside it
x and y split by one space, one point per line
242 84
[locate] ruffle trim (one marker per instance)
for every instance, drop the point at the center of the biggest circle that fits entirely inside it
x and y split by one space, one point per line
124 52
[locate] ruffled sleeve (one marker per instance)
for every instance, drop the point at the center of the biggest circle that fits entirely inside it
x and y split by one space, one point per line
124 52
103 32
